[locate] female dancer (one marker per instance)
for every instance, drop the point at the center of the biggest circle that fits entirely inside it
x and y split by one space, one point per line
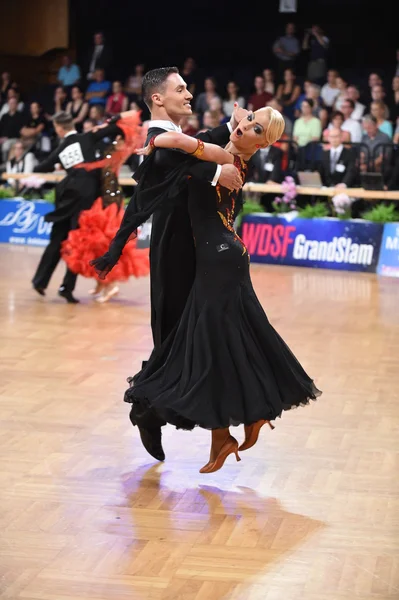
224 364
99 224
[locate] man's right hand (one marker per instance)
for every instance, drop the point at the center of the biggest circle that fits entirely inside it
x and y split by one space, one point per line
230 178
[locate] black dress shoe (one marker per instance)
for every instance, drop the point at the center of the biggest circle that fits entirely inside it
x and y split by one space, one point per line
151 439
69 297
39 290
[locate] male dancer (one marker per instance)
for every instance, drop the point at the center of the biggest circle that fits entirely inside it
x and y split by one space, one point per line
172 254
76 192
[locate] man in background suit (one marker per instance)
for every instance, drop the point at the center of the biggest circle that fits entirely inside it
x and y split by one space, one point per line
266 166
100 57
337 164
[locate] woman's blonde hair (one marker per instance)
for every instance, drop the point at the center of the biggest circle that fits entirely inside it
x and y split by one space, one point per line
275 127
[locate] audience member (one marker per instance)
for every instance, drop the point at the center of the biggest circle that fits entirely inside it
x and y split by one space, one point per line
215 108
97 113
188 72
307 128
6 84
352 92
118 101
69 73
190 125
100 57
12 93
288 93
377 110
378 95
342 86
259 98
337 166
10 126
317 44
373 138
98 90
134 83
33 126
286 49
19 161
78 108
270 86
202 100
276 104
330 89
337 120
232 97
373 79
59 103
89 124
350 124
393 102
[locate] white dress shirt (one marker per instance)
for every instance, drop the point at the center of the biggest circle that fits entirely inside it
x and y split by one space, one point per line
358 111
170 126
97 51
354 128
335 153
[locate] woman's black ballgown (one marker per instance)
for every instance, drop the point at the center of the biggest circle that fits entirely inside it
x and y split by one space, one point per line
223 364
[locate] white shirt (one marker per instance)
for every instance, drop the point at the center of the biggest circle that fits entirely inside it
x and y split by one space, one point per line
97 51
358 111
5 108
354 128
329 94
170 126
335 153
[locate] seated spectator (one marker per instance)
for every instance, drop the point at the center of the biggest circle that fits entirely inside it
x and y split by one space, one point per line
97 114
19 161
232 97
209 121
377 110
350 124
33 126
373 138
266 165
5 85
352 92
68 74
303 95
342 85
134 83
378 95
78 108
215 108
276 104
259 98
270 86
88 125
373 80
319 110
12 93
117 102
203 99
10 126
188 72
288 93
337 166
307 128
337 120
393 102
59 103
98 90
330 90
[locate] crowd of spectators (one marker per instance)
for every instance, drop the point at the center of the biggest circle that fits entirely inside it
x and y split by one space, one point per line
333 124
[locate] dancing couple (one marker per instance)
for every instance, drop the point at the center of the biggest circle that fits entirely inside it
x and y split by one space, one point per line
217 362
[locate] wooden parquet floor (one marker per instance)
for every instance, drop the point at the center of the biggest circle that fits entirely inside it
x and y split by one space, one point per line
310 513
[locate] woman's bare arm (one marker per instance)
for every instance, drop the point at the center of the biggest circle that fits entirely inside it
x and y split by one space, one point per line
199 149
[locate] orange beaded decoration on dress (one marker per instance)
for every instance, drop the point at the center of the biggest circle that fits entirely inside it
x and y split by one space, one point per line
226 213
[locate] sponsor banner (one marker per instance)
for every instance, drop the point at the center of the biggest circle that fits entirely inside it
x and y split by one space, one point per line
22 222
325 243
388 263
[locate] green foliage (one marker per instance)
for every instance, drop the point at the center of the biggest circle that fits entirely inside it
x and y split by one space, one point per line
313 211
382 213
49 196
250 206
6 192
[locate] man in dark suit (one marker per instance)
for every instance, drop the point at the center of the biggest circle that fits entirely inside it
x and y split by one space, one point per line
172 252
100 57
266 166
76 192
337 164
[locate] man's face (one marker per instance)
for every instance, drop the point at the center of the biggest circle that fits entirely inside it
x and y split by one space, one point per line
370 128
98 39
99 75
34 108
334 137
259 84
18 150
331 77
175 97
377 92
352 93
347 109
12 104
66 61
290 29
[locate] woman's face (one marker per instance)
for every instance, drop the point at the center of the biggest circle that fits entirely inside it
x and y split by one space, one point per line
18 150
288 75
76 93
268 75
232 88
337 122
306 108
341 84
251 131
375 110
116 87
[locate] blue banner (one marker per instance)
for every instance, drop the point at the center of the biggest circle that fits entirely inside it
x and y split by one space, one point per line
351 245
22 222
389 253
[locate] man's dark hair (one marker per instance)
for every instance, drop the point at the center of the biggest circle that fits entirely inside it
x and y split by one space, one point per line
309 101
154 81
63 119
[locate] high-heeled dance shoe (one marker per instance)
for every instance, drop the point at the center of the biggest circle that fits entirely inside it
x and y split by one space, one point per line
229 447
107 294
252 433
